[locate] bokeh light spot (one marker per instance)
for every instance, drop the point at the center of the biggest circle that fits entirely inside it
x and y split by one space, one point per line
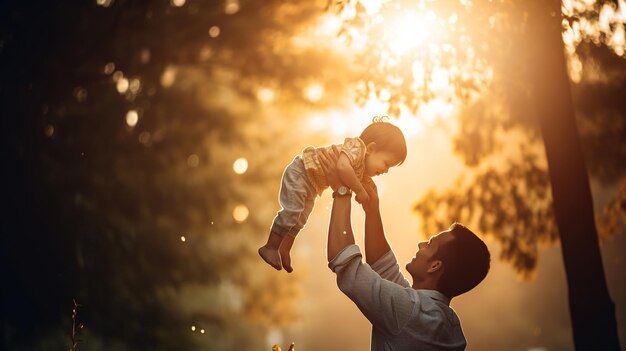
183 239
135 85
144 138
231 7
49 130
193 328
314 92
205 53
104 3
80 94
122 85
240 213
132 117
214 31
265 95
240 166
168 77
109 68
178 3
117 76
193 160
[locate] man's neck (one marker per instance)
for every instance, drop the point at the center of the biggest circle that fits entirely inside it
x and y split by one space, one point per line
428 284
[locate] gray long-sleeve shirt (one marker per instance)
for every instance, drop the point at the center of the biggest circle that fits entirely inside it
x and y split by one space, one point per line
402 318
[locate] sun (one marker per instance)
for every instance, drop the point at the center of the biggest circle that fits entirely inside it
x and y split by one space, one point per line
408 32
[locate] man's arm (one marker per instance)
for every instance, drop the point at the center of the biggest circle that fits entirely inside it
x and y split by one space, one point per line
387 305
376 244
340 233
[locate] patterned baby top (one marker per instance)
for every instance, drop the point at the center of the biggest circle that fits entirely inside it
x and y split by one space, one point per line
354 148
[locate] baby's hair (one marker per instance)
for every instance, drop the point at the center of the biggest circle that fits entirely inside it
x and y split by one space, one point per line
387 137
380 118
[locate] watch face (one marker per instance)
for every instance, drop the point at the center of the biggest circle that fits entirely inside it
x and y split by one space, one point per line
342 190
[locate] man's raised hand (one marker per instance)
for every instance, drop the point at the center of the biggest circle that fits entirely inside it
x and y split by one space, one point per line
328 162
372 191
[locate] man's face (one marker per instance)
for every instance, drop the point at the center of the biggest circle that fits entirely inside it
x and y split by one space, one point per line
425 256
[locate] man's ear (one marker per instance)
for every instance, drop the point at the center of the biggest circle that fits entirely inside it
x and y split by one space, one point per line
371 147
435 266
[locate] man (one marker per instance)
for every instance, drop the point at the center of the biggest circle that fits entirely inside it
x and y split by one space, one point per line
403 316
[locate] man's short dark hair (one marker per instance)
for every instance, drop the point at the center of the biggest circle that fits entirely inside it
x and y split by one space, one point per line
466 261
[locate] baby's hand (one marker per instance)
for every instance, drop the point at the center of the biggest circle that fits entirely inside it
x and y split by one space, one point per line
362 197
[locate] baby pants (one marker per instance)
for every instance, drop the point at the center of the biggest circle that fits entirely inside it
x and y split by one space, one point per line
296 197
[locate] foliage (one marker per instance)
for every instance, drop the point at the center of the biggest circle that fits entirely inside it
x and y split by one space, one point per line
476 53
125 120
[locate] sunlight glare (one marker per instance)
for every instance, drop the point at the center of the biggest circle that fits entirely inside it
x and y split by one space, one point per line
418 72
409 32
342 125
440 82
316 123
409 125
453 18
328 25
436 109
372 6
240 166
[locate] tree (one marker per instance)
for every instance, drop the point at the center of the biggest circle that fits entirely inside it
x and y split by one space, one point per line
123 120
519 48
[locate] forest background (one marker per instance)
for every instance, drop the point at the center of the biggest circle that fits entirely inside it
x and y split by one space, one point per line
143 144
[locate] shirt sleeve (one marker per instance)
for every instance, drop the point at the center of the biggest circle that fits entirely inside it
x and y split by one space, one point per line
355 149
387 305
388 268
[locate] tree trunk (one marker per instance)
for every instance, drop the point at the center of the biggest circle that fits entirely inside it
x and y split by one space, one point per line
592 311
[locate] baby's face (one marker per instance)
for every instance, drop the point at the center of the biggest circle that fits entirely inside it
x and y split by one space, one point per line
379 162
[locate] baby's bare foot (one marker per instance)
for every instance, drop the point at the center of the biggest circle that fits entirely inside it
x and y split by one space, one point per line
272 257
284 250
286 261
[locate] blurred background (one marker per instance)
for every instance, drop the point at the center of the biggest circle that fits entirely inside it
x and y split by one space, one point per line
143 144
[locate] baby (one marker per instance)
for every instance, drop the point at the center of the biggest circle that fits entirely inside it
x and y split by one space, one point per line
379 147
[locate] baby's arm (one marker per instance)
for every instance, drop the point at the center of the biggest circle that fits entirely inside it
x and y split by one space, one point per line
349 178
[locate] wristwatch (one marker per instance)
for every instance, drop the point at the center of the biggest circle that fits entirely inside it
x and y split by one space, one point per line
342 191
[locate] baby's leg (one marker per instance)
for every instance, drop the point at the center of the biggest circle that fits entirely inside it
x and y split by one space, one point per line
285 249
296 193
269 251
287 243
